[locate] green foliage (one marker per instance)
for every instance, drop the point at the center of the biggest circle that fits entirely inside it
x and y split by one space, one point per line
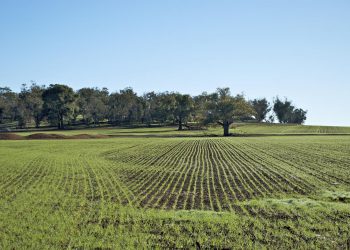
8 105
298 116
261 107
30 105
59 103
124 106
92 104
183 108
225 109
287 113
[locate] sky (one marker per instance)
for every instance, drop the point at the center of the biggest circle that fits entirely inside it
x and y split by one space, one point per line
297 49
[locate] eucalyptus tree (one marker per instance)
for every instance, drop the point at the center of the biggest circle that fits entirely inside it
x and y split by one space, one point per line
224 108
183 108
288 113
59 101
151 108
282 109
30 104
261 107
124 106
298 116
92 103
8 105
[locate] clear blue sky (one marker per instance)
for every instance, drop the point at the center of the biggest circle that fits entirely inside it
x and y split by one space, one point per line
298 49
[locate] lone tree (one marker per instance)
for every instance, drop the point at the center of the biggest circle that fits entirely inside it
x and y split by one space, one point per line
58 103
224 108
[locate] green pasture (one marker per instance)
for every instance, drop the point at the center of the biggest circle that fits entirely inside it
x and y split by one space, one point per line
171 131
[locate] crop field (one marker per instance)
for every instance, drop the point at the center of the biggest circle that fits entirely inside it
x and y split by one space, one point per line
238 192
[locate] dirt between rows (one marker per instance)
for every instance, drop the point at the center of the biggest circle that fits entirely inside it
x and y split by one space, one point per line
43 136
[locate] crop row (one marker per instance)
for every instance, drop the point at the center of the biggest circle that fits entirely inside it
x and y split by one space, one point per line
202 174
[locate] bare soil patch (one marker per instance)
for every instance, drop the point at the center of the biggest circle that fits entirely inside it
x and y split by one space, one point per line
10 136
39 136
44 136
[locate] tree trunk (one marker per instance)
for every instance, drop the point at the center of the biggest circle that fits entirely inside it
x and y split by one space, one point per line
180 123
37 122
61 124
226 126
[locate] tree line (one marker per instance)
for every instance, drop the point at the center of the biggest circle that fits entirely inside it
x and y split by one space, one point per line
59 105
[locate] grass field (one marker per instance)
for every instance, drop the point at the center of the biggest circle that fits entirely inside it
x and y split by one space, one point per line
238 192
238 129
266 128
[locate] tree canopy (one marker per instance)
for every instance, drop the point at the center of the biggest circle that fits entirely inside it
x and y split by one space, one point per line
224 108
261 108
59 105
288 113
